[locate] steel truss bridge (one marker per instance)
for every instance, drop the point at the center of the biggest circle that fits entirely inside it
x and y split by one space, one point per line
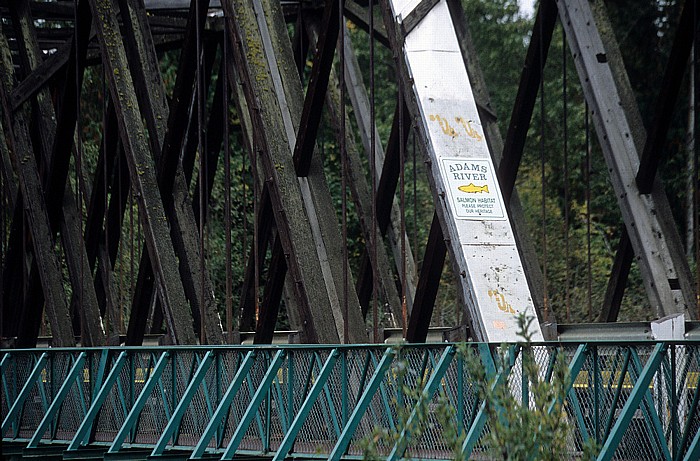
144 196
65 222
638 401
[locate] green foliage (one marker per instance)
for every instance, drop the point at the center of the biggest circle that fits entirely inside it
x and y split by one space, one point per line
535 428
518 428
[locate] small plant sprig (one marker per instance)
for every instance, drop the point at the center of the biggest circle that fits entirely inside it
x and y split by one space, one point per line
530 424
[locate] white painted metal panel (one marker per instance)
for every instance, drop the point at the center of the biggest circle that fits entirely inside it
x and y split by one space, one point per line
480 233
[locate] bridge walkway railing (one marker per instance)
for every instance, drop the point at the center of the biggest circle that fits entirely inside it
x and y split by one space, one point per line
638 401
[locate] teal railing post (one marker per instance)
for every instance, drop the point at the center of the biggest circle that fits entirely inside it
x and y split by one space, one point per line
6 360
11 417
693 449
689 419
597 383
480 420
96 382
426 396
133 416
460 393
337 422
68 382
618 392
305 409
181 408
224 405
653 422
377 377
83 431
574 368
254 404
487 359
383 395
638 392
344 390
290 385
674 401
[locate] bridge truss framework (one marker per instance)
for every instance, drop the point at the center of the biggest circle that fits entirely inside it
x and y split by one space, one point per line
295 218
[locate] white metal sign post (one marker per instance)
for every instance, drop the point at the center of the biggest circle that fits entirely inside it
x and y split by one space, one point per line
477 225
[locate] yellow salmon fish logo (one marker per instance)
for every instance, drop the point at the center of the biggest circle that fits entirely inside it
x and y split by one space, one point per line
472 189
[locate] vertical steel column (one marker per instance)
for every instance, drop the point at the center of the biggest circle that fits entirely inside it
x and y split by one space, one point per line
74 374
143 174
638 392
358 412
649 224
179 412
132 418
309 400
482 245
254 404
27 386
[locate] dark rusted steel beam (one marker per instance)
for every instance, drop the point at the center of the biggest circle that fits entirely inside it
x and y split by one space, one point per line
41 75
143 174
31 312
265 222
174 191
104 171
300 43
545 19
667 97
360 16
191 139
165 145
658 248
428 284
16 127
140 304
145 70
269 309
214 139
617 280
386 188
54 142
315 280
14 270
66 119
416 15
59 195
178 117
316 91
362 198
651 155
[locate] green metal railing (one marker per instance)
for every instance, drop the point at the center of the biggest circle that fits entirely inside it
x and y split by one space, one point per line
637 401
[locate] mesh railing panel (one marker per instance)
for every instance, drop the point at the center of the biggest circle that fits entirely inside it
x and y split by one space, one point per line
666 419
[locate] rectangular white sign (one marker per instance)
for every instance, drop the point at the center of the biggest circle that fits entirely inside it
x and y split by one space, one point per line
472 188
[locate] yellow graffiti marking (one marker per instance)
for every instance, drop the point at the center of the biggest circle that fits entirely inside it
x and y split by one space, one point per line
471 132
501 302
472 189
446 128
